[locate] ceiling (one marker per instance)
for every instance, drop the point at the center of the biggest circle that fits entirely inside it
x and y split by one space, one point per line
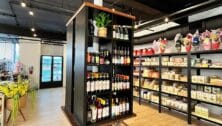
50 16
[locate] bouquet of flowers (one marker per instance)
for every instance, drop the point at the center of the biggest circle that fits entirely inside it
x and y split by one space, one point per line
163 43
178 42
205 38
187 41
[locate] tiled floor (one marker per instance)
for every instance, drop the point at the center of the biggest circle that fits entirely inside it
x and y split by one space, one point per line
48 113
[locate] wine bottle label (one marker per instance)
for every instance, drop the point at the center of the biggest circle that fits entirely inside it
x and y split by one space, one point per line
124 107
107 87
117 110
113 110
92 86
99 113
128 85
127 106
104 112
88 86
100 86
94 114
120 108
114 34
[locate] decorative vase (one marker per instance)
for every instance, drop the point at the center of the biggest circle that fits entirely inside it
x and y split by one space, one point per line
22 102
102 32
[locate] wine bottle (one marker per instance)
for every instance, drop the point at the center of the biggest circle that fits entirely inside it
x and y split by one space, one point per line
114 31
117 32
127 105
89 111
121 33
126 35
92 86
94 111
117 107
88 84
99 110
113 108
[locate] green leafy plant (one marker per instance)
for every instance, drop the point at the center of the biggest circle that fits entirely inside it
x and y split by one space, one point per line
102 20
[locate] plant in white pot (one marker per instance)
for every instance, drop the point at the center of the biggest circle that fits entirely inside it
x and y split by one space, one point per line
102 20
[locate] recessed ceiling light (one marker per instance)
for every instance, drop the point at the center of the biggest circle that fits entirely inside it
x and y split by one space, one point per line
23 4
31 13
166 19
35 35
32 29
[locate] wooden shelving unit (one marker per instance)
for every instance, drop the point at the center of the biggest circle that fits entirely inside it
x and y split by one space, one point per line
188 83
79 43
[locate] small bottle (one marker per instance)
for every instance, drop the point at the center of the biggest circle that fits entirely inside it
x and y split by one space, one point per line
121 33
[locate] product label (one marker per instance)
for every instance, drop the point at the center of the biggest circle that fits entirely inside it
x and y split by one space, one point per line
88 86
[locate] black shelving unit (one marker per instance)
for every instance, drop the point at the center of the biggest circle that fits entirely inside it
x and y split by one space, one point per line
189 83
79 42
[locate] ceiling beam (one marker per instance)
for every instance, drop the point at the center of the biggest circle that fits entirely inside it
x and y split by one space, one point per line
20 31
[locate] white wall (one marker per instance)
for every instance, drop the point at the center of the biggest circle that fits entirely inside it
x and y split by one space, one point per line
51 50
29 52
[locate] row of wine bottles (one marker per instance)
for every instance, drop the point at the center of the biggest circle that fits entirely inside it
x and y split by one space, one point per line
120 82
121 55
97 82
98 108
99 58
101 82
120 32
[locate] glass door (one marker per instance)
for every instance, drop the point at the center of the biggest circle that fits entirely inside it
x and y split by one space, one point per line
46 69
57 68
51 71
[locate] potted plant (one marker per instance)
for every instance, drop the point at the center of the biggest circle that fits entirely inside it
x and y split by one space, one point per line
102 20
16 94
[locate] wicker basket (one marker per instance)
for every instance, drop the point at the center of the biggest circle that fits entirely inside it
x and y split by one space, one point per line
22 102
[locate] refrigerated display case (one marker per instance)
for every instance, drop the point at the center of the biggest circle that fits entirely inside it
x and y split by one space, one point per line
51 71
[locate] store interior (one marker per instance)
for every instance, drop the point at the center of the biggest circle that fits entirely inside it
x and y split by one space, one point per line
110 63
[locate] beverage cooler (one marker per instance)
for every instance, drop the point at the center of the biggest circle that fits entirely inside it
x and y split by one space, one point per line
51 74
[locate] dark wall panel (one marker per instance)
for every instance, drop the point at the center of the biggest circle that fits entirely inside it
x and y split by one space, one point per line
69 68
79 67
